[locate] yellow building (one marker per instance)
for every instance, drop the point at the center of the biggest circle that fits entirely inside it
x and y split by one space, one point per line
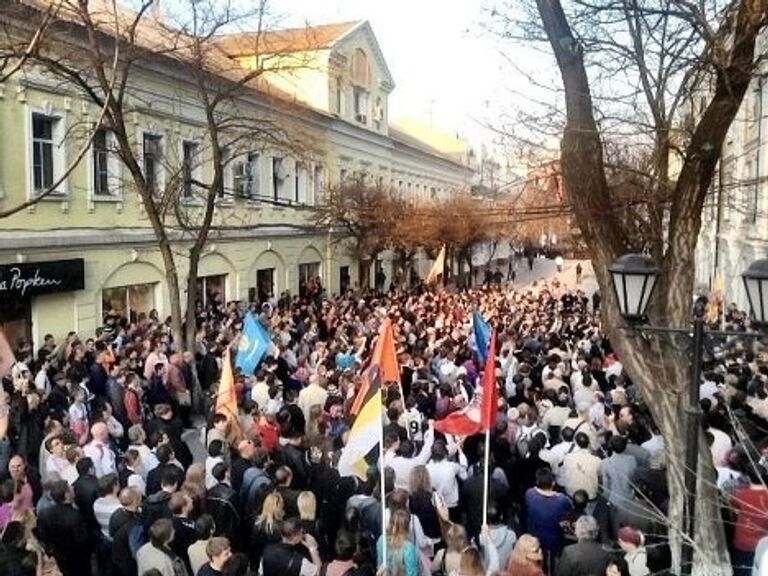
88 248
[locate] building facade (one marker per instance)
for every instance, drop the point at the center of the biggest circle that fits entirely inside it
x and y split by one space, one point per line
734 229
88 249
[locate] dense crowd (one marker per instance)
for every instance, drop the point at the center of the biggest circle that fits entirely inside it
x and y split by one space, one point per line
99 478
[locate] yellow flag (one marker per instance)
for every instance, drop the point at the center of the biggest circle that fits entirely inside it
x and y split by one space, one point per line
437 268
226 399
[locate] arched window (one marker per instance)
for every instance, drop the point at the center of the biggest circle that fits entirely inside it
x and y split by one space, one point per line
360 72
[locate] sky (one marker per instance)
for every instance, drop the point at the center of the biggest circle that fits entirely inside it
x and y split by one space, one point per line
448 70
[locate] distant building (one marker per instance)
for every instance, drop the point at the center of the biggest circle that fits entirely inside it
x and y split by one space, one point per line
88 249
734 231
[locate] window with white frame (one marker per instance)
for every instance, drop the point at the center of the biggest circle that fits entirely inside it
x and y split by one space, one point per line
152 151
279 176
300 183
317 185
190 167
245 175
45 157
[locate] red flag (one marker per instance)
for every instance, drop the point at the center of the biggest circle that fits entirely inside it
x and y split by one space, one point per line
385 357
480 414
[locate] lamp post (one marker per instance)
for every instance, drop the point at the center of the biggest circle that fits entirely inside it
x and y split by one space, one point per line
634 277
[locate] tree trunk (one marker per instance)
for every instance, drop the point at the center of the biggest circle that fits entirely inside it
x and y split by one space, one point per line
190 316
174 293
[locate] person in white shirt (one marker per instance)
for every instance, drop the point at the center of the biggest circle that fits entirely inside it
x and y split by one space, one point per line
99 451
137 438
108 503
402 459
260 390
314 394
215 456
445 475
555 455
132 467
57 462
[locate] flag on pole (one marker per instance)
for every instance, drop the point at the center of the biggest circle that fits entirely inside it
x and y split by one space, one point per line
7 358
254 343
480 414
366 431
226 398
438 268
385 357
482 335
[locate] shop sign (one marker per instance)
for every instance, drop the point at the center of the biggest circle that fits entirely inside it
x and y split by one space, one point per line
36 278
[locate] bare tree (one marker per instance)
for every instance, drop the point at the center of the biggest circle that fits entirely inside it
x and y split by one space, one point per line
96 47
673 57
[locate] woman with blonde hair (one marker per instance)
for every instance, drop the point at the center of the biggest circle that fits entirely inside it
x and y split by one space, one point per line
194 487
266 529
448 560
421 501
402 558
526 558
310 523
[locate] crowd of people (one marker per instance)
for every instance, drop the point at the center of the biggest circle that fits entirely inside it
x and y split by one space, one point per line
99 478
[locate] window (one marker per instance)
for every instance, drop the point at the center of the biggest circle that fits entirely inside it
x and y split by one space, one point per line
189 164
43 157
278 177
317 185
361 75
307 272
380 182
361 104
100 163
432 193
300 183
211 290
343 176
245 176
339 97
128 301
153 156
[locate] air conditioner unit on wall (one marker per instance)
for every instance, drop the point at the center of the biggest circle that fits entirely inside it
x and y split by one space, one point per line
362 118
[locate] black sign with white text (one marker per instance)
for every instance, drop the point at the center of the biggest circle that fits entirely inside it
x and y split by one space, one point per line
36 278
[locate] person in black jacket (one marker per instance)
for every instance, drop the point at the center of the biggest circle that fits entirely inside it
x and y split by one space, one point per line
587 556
157 505
221 503
184 533
126 533
165 457
286 558
86 491
63 531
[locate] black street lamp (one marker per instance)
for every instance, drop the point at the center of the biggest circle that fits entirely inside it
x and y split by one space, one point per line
756 284
634 277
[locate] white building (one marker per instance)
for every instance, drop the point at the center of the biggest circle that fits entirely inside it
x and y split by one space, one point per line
734 229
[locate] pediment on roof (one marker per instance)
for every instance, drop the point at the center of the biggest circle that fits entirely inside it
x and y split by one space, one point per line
362 36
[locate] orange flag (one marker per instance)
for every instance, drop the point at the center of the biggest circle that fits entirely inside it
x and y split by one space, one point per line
226 398
7 359
385 357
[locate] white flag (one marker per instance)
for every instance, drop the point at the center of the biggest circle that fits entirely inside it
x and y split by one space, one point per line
437 268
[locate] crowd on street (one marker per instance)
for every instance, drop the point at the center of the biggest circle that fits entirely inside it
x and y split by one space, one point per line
98 477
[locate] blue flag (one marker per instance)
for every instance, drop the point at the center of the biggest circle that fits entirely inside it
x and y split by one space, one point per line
482 335
254 343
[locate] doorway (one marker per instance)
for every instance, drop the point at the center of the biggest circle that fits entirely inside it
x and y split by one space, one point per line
265 284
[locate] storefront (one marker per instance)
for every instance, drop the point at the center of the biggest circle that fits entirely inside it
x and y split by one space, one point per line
21 284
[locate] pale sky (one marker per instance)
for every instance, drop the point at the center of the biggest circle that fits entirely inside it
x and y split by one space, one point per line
447 69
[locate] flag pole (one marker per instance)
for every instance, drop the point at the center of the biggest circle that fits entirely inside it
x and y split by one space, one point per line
383 496
486 474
